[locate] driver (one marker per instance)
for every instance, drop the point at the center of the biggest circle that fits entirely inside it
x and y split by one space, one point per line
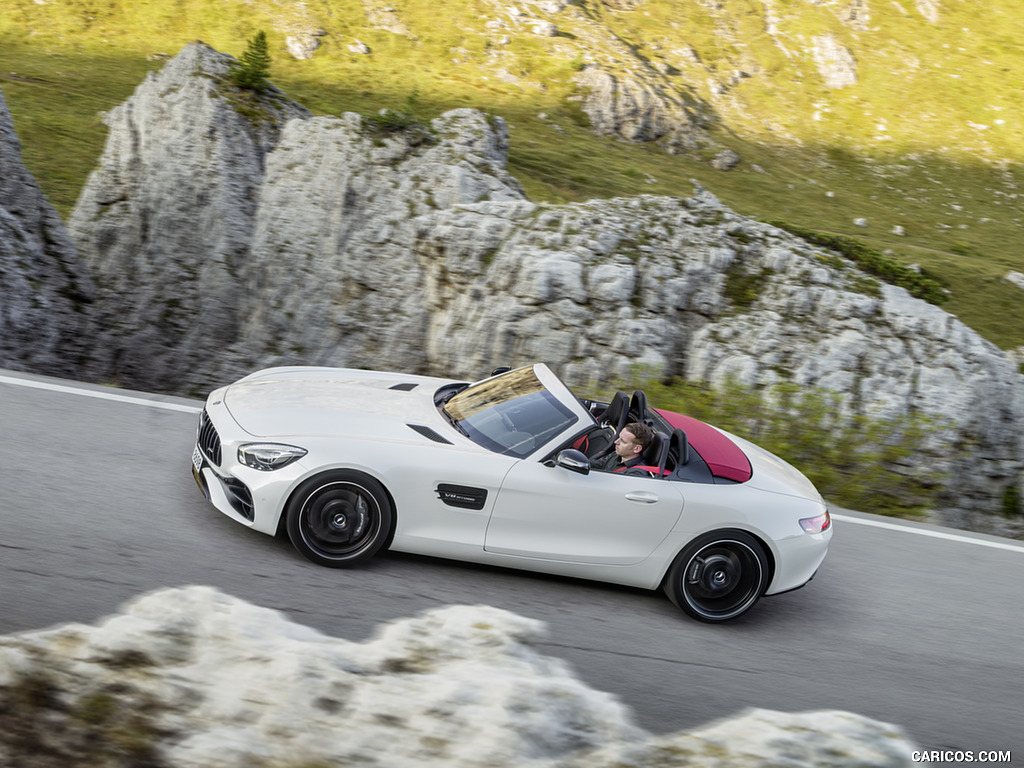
630 445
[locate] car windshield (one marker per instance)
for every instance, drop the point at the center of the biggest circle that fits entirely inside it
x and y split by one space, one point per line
512 414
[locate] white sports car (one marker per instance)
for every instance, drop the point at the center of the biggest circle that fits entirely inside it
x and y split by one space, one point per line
349 462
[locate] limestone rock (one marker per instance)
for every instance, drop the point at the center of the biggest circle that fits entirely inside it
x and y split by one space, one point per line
550 6
544 28
193 678
385 17
45 287
166 221
857 14
334 274
599 288
835 62
929 9
623 5
726 160
639 109
754 738
302 46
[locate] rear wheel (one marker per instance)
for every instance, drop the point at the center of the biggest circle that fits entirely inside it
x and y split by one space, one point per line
719 576
339 518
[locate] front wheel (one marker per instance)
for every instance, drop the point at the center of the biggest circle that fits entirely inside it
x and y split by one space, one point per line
339 518
719 576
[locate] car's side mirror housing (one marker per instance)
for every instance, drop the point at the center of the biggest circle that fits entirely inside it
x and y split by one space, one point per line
574 461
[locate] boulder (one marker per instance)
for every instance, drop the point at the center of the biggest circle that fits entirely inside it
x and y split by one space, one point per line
194 678
836 64
166 221
640 108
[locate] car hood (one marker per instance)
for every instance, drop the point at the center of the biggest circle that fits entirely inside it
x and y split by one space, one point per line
299 401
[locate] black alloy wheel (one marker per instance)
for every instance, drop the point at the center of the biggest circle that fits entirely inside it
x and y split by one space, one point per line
718 576
340 518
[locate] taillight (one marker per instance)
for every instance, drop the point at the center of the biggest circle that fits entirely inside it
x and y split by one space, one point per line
816 524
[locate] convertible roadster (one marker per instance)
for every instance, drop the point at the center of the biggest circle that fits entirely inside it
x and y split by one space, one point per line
349 462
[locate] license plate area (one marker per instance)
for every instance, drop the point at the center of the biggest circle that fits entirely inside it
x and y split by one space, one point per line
197 472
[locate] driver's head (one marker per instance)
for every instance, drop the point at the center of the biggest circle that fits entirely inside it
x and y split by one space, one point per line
633 440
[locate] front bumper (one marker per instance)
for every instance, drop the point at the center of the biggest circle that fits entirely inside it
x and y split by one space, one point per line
228 494
248 496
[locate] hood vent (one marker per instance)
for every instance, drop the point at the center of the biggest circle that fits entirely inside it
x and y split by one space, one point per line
428 433
405 386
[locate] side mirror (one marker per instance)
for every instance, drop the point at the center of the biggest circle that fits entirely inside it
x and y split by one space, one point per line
501 369
574 461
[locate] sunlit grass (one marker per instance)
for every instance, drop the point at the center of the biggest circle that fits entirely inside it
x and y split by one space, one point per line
929 143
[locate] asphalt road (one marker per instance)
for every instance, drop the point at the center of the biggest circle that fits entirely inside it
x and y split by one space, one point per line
911 624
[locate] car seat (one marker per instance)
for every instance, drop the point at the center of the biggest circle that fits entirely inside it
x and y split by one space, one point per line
616 414
656 453
614 418
638 408
677 453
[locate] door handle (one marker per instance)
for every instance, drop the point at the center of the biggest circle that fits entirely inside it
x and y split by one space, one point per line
642 496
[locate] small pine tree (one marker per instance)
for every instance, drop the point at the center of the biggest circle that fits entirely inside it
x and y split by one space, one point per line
254 67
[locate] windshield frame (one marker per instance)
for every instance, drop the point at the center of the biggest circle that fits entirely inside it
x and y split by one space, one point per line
483 411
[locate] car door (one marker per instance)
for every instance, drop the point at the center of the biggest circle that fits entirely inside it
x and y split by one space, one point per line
553 513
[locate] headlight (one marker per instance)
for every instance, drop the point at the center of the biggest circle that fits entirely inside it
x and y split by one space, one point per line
816 524
268 456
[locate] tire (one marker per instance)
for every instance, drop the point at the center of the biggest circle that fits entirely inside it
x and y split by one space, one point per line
718 576
339 518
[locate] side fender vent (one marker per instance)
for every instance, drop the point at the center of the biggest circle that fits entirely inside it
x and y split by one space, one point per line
463 496
430 434
405 386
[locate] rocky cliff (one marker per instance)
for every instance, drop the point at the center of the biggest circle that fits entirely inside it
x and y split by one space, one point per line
167 220
44 285
193 677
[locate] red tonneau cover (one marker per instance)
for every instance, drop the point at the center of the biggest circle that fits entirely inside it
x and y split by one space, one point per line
722 455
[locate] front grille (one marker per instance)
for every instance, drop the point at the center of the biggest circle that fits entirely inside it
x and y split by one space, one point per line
209 440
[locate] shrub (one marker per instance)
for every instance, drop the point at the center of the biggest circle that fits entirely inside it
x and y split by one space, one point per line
919 284
1011 502
388 123
743 288
254 66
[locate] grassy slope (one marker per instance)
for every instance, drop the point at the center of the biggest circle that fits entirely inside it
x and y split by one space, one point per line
905 146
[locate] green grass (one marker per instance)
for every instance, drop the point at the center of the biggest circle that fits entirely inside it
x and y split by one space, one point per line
904 148
55 98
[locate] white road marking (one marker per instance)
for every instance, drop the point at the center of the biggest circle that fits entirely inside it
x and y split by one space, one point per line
100 394
927 532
